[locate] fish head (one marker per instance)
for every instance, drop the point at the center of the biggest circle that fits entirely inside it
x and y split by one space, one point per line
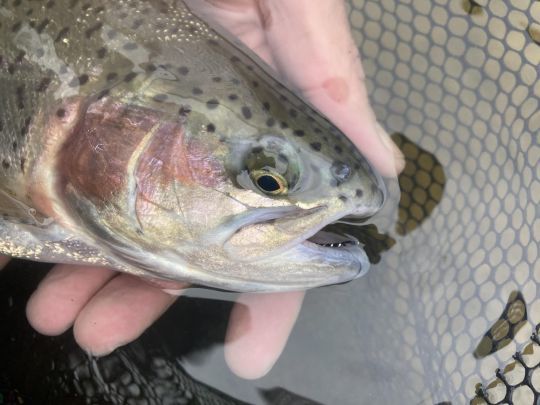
218 176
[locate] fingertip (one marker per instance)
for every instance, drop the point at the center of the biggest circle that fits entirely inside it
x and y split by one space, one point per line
45 320
395 162
119 314
258 331
93 339
65 290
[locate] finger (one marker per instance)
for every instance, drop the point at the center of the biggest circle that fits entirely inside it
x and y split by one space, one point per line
259 327
3 261
59 298
313 47
242 18
119 313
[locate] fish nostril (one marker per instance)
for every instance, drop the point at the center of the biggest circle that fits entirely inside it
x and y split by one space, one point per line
340 171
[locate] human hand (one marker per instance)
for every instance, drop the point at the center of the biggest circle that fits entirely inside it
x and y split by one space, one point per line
312 48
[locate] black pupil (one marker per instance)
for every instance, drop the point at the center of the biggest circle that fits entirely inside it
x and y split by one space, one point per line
268 183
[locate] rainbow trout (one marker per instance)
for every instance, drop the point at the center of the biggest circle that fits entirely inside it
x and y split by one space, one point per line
135 136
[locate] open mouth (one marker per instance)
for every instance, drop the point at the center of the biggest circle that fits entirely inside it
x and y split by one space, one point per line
311 235
332 239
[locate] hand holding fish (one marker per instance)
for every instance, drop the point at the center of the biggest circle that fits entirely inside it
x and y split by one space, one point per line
311 47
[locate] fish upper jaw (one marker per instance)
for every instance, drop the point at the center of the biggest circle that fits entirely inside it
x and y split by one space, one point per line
277 232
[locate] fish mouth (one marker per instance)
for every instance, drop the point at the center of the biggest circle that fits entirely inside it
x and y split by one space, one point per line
302 236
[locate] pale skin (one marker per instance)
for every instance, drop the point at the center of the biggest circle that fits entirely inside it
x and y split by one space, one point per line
310 45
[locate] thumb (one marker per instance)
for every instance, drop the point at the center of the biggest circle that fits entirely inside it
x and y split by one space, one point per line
313 48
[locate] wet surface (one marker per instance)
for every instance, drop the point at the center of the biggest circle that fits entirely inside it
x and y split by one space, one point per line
460 81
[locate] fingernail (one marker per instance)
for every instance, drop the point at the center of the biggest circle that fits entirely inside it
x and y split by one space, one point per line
397 155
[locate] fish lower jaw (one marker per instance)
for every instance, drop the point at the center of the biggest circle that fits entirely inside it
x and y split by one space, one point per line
348 258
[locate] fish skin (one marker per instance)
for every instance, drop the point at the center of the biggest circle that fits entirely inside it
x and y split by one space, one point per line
129 132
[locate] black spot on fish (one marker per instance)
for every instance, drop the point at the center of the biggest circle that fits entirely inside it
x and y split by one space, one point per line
43 84
14 145
196 91
343 198
16 27
270 122
11 68
211 128
235 81
17 3
266 106
233 97
42 25
112 76
83 79
184 111
338 149
212 104
20 56
246 112
137 23
112 34
5 164
250 68
150 67
235 59
257 149
62 34
217 79
101 52
130 46
283 158
317 130
20 97
160 98
293 113
213 42
130 76
359 193
299 132
26 125
316 146
94 28
61 113
255 83
50 4
283 125
183 70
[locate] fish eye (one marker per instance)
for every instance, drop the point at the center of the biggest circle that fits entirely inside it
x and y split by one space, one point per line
269 182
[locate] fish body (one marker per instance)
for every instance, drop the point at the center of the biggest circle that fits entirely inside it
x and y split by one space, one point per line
135 136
